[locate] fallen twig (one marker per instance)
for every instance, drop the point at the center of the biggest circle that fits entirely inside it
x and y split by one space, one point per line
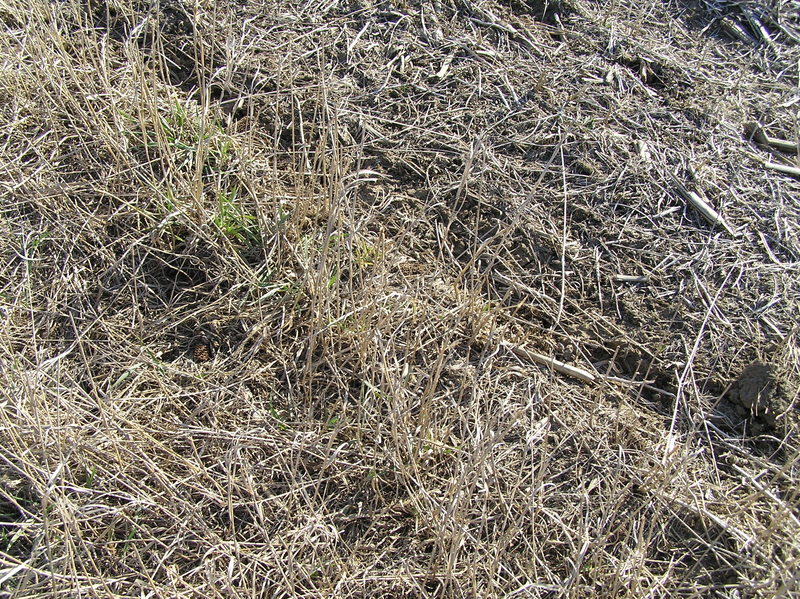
631 279
756 131
736 31
757 26
532 356
782 168
703 207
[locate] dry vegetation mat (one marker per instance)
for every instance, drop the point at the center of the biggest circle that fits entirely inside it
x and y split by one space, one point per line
425 298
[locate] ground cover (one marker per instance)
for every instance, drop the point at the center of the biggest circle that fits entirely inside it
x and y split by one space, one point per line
448 298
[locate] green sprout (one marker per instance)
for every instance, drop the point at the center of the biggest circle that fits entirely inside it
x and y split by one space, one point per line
235 222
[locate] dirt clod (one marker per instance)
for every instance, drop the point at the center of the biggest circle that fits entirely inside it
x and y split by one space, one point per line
753 392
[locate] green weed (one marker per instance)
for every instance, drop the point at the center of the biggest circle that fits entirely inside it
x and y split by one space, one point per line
235 222
182 137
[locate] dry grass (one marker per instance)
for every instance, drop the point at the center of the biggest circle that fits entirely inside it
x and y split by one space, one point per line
362 209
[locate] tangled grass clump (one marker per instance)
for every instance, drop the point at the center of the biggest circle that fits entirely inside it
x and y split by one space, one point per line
292 298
